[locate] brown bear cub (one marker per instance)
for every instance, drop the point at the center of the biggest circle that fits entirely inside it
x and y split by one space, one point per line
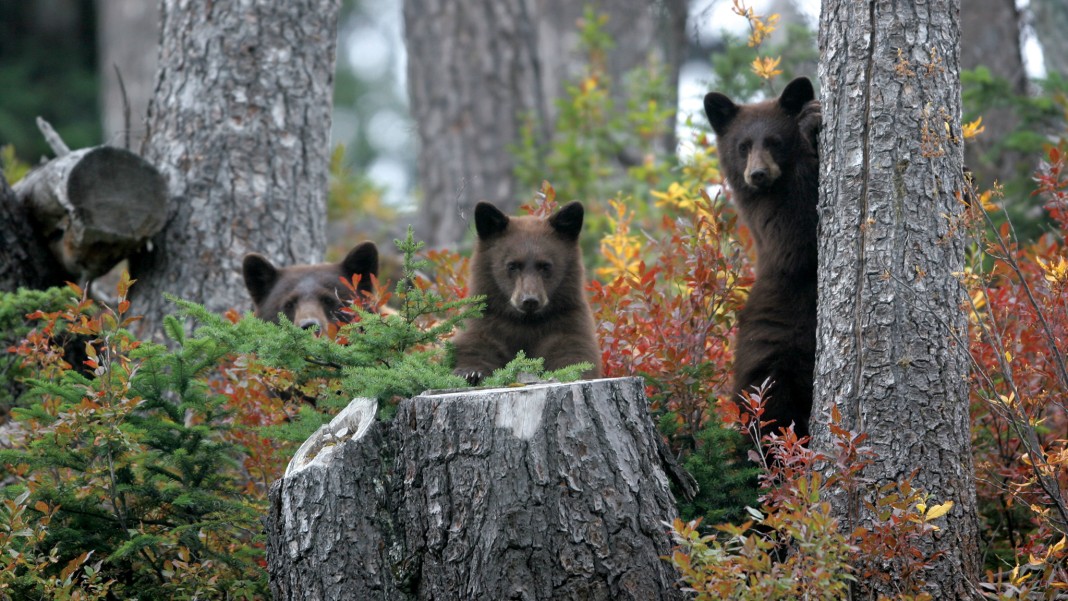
530 271
768 153
308 295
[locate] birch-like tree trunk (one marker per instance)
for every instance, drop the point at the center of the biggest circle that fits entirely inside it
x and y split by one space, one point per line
892 337
476 67
544 492
239 125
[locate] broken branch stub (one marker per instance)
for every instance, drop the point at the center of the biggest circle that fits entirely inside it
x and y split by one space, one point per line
550 491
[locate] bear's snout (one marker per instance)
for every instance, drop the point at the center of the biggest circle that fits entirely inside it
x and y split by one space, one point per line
761 170
529 296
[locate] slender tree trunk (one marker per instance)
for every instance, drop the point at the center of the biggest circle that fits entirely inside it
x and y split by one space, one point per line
892 338
128 38
476 67
552 491
1051 21
990 37
240 127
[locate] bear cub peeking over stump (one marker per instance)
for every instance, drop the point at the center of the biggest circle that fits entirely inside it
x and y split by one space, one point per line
768 153
308 295
530 271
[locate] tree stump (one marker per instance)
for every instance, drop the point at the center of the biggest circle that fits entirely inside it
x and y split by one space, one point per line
549 491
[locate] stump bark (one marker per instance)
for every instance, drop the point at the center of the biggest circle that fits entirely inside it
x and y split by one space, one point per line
550 491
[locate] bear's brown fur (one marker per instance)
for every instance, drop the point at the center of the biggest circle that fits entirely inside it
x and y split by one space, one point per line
308 295
768 153
530 271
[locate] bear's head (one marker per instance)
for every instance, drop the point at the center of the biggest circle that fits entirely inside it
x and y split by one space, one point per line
758 141
308 295
528 266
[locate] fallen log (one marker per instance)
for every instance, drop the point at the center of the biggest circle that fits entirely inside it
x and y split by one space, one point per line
93 206
549 491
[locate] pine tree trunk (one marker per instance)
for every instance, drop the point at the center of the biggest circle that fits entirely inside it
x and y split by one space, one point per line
473 70
240 126
552 491
892 339
476 68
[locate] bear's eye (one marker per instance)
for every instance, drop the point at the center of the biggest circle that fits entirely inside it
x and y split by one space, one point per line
773 143
290 306
745 146
513 266
544 267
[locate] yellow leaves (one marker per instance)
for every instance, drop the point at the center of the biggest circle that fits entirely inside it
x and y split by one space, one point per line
938 510
765 67
760 27
620 249
1054 271
973 129
676 196
932 513
986 203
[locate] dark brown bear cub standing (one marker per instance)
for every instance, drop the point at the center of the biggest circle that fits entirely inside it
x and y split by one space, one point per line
530 271
768 152
308 295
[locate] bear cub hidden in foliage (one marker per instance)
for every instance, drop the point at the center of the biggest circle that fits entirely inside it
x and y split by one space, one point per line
530 271
768 153
308 295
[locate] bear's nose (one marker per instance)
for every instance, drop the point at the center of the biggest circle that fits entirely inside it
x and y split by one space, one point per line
308 324
529 303
759 177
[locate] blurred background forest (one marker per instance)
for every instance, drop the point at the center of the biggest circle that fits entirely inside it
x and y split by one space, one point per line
59 58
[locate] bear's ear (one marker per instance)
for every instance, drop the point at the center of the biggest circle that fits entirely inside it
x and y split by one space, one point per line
489 220
568 220
260 277
796 94
363 259
720 111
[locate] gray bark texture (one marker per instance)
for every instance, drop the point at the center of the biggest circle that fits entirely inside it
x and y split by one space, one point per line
239 125
128 39
892 351
551 491
475 67
990 37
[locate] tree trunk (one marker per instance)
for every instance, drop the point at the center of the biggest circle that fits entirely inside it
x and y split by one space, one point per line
128 39
551 491
240 127
892 337
475 67
990 37
1051 21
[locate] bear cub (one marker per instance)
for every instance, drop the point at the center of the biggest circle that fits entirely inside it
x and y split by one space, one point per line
530 271
308 295
769 155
